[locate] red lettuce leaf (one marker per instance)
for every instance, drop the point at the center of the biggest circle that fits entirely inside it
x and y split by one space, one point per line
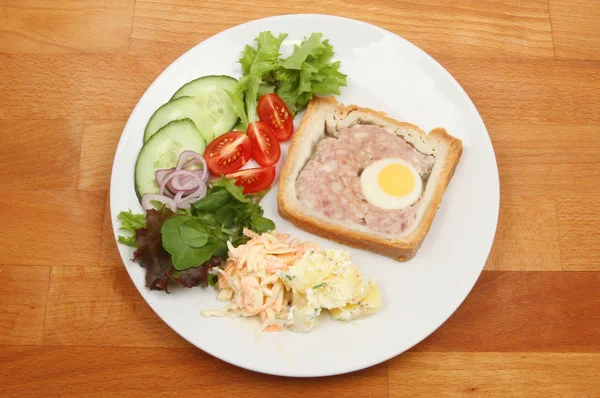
150 253
195 276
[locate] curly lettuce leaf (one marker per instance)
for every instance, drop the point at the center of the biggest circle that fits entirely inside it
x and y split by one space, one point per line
308 71
256 64
130 222
295 79
127 240
311 47
248 56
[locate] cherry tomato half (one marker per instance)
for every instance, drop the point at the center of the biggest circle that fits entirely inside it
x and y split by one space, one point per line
272 110
265 147
228 152
254 180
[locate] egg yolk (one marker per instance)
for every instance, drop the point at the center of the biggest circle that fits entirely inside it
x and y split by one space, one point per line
396 180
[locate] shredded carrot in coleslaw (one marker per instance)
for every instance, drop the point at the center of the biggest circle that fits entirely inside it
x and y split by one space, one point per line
250 283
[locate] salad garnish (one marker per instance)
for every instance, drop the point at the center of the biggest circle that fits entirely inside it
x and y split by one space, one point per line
170 244
294 79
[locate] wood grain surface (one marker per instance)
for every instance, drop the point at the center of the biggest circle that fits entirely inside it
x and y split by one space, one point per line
71 322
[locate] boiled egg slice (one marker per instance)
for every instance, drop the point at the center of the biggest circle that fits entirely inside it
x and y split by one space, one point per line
391 183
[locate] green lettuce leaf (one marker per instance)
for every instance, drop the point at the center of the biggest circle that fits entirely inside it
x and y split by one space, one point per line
174 241
308 71
130 222
256 64
295 79
235 191
311 47
127 240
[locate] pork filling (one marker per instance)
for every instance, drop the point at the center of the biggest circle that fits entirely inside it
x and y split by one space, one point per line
330 183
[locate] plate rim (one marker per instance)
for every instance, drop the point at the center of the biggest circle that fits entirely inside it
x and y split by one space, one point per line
414 47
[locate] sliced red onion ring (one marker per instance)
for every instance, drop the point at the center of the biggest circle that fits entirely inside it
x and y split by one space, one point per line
179 188
185 202
147 199
196 158
189 200
185 181
178 197
161 174
182 183
172 182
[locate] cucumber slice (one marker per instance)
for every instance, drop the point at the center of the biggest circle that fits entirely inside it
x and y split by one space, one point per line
180 108
205 85
218 115
162 152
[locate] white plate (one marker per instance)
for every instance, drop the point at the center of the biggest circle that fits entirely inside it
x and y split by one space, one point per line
387 73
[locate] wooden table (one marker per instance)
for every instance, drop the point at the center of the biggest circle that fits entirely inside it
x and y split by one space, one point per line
71 321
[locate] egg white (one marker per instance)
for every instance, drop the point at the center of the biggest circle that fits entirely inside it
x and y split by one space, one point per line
375 195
